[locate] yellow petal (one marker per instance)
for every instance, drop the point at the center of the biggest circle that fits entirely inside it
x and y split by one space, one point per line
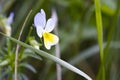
50 39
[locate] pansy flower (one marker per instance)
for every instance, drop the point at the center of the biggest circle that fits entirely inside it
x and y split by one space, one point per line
43 28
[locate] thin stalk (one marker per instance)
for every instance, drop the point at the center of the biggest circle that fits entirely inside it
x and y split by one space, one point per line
57 49
18 46
30 31
100 35
27 39
8 46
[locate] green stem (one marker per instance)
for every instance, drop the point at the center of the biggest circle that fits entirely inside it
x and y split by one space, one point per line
100 35
8 46
26 41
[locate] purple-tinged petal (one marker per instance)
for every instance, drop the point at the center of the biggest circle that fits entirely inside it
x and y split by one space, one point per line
10 18
40 19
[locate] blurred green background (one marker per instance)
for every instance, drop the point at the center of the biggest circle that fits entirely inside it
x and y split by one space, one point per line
77 33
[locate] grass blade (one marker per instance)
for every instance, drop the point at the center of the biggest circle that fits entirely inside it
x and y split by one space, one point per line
51 57
100 36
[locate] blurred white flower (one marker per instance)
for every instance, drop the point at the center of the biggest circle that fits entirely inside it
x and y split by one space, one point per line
8 24
34 43
5 24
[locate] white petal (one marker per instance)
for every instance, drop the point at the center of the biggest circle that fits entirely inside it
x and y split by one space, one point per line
40 19
48 46
39 31
51 23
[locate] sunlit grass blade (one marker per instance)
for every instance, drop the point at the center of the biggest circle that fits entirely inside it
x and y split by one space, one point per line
100 36
51 57
99 27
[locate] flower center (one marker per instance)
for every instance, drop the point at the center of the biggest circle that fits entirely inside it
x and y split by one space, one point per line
48 36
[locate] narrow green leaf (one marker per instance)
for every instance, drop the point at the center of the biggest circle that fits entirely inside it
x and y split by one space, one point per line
3 63
51 57
100 37
28 66
99 27
29 53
